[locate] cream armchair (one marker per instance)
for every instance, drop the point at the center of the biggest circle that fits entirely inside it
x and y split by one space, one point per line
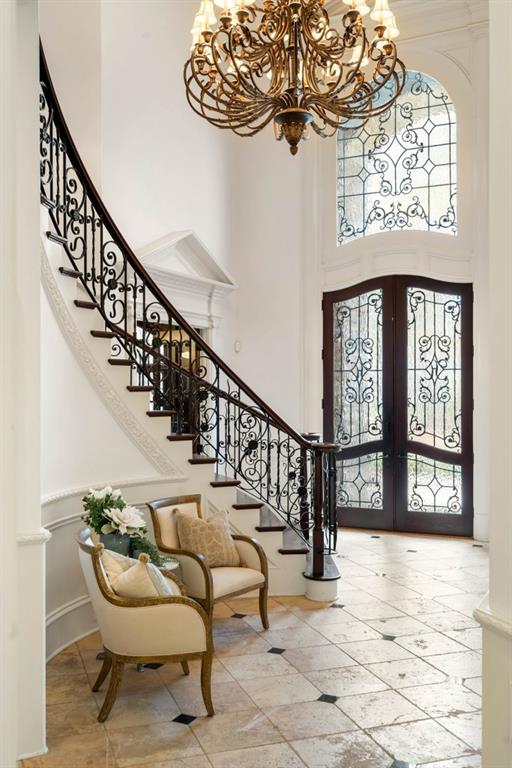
144 630
204 584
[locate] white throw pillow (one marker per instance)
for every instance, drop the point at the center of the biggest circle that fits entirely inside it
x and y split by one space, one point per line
137 578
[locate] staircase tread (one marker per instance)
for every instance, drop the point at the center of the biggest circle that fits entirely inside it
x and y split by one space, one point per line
298 551
103 334
69 272
85 304
221 481
175 436
119 361
254 505
139 388
199 459
266 528
161 413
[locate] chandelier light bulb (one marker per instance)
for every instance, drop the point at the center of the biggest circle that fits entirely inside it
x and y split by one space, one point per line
232 5
207 11
381 12
392 30
197 28
358 5
356 55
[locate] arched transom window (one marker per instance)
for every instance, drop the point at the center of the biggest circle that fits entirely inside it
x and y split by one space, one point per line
399 170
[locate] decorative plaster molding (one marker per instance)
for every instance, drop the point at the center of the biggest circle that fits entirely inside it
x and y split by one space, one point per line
66 493
27 538
120 412
488 620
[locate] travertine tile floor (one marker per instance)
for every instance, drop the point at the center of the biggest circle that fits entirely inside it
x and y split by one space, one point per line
387 677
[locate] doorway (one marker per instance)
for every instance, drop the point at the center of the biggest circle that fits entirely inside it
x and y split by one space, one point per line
398 399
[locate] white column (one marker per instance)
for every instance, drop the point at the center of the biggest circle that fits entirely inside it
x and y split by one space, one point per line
8 688
496 614
26 322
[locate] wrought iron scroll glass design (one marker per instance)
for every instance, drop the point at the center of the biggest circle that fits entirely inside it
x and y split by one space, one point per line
167 358
434 398
433 486
399 170
434 386
357 401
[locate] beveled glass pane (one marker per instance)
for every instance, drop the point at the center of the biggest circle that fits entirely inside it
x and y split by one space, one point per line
360 482
434 375
399 170
357 364
433 486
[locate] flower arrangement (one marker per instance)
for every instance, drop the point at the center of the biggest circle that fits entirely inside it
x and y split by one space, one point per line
107 512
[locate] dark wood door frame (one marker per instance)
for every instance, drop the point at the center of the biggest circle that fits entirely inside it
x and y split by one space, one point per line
394 444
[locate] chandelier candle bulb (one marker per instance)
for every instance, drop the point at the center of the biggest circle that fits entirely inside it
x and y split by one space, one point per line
322 78
392 30
356 5
381 12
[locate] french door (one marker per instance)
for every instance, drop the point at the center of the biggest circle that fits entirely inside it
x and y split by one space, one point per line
398 358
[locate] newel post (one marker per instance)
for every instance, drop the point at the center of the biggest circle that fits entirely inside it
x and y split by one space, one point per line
324 504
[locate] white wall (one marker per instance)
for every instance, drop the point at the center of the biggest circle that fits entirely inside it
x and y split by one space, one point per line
164 169
82 444
70 31
266 264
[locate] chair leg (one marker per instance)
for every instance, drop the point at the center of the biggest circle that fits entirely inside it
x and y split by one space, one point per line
185 667
113 686
263 606
105 669
206 681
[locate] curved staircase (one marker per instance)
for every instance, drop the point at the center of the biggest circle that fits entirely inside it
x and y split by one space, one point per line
182 404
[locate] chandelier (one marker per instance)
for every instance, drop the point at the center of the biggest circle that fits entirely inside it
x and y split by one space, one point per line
284 61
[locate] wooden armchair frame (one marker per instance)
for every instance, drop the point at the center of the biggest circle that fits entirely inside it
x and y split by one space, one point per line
209 600
114 662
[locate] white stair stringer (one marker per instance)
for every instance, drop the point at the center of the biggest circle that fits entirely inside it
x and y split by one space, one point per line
170 458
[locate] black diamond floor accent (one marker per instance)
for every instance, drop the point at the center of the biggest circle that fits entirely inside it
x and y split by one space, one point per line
389 637
185 719
337 605
412 550
239 616
374 537
327 698
276 650
477 545
153 665
401 764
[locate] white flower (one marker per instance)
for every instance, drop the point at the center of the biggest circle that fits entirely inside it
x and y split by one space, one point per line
116 494
126 521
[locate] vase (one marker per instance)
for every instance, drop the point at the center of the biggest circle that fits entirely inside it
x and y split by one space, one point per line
116 542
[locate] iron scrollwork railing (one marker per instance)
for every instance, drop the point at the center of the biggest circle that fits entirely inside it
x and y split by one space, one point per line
171 361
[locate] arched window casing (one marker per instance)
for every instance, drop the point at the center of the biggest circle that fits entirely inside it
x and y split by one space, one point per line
399 170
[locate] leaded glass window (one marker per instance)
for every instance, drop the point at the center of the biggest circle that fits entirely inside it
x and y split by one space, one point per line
399 170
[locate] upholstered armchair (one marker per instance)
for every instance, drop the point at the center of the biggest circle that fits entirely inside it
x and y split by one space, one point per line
210 585
143 630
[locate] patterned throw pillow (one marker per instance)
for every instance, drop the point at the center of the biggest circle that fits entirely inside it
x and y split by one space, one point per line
211 538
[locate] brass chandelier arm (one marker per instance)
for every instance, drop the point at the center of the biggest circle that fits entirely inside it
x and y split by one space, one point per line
241 128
